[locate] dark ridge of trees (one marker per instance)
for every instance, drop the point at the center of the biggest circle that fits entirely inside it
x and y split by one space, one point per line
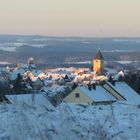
133 80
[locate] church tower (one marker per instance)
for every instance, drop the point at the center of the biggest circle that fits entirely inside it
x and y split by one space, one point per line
98 63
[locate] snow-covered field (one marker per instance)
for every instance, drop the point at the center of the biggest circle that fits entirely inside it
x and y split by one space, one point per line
70 122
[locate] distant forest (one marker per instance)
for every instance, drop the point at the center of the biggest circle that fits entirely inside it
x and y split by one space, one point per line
63 50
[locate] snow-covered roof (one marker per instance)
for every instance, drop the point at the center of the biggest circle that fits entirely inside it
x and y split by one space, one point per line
59 89
36 72
32 65
127 92
24 66
42 75
55 75
45 89
13 75
49 82
80 77
97 95
33 78
63 70
30 99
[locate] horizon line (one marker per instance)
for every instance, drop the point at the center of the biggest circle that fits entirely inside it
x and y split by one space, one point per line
67 36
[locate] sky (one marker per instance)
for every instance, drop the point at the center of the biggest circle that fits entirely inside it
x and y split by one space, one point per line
93 18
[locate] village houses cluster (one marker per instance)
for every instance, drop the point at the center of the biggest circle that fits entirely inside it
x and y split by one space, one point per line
70 85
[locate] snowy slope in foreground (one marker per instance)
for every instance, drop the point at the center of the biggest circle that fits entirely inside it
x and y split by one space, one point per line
70 122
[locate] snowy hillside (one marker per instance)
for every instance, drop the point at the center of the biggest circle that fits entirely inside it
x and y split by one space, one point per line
70 122
32 116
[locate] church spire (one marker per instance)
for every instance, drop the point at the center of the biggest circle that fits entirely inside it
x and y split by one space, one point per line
98 63
99 55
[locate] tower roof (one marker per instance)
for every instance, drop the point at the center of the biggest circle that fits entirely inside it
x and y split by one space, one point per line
99 55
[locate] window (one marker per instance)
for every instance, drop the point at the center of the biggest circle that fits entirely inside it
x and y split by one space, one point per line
77 95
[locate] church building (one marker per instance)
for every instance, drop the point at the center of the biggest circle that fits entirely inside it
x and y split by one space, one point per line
98 63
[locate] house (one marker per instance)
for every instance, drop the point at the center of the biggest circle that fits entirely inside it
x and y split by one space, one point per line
42 75
82 77
84 95
23 66
110 88
37 83
30 99
98 63
131 96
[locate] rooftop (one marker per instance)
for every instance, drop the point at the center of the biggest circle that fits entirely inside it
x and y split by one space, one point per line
99 55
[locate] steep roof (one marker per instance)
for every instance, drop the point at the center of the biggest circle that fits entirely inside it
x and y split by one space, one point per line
97 95
99 55
127 92
30 99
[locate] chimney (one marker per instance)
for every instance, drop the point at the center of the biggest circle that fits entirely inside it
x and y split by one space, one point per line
89 86
94 86
113 82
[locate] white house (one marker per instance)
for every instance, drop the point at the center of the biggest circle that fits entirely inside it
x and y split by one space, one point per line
85 96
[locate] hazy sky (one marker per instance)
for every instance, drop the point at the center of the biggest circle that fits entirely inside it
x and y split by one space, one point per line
70 17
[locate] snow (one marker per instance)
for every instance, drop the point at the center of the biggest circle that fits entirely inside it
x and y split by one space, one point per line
38 45
67 122
49 82
83 62
110 71
30 99
39 39
98 95
45 89
42 75
125 62
13 75
33 78
63 70
36 72
59 89
127 92
4 62
33 117
117 76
